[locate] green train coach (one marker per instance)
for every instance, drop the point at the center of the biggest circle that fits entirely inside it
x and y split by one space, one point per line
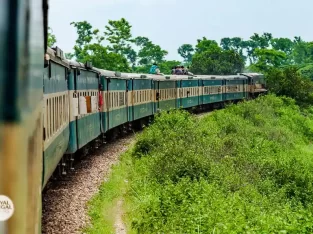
51 108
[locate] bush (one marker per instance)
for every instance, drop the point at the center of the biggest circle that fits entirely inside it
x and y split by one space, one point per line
247 168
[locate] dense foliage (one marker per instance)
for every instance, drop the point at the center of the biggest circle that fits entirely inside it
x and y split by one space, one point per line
290 82
244 169
247 168
51 38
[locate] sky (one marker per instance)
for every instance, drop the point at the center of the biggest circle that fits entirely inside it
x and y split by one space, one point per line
171 23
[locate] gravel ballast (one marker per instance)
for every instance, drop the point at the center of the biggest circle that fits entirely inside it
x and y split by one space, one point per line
65 204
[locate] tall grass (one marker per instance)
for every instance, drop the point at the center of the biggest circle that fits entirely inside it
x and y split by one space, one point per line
245 169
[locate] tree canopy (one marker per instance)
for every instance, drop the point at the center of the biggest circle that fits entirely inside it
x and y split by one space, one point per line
283 60
212 59
51 37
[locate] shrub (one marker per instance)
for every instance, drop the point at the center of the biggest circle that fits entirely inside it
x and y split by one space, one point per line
247 168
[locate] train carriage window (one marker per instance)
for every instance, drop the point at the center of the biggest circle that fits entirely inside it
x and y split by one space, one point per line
113 100
57 113
54 115
141 96
120 99
65 109
110 99
62 111
136 97
50 117
114 105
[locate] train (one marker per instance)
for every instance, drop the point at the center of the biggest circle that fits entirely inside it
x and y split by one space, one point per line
52 108
84 105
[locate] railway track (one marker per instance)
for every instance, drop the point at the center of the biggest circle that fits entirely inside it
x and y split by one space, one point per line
64 202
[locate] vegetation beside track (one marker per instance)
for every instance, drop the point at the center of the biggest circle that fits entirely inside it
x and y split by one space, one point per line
247 168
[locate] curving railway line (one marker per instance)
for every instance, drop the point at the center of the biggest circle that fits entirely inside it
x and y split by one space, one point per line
54 110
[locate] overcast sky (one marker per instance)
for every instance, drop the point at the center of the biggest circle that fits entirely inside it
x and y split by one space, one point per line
171 23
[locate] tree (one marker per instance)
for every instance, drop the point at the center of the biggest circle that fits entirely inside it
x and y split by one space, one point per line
186 51
102 58
149 52
303 53
85 35
267 58
235 43
118 33
205 44
262 41
89 47
217 61
51 37
307 71
283 44
289 82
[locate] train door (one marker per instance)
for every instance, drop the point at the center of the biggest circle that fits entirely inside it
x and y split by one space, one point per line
88 121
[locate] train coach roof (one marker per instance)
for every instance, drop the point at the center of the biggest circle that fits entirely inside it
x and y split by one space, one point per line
252 75
106 72
57 58
212 77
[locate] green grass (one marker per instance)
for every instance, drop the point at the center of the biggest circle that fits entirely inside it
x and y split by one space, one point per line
102 208
245 169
